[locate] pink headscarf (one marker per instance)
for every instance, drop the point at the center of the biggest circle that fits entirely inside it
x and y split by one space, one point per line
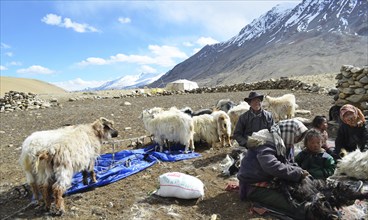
356 111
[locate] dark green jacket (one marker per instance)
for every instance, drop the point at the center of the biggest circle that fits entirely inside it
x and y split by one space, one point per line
320 165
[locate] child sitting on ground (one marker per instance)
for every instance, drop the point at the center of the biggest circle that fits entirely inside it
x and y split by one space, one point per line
320 124
314 158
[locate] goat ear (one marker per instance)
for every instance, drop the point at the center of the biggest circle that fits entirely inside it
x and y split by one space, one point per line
104 120
98 126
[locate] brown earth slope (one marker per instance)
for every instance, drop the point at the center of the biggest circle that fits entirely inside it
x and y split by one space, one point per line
27 85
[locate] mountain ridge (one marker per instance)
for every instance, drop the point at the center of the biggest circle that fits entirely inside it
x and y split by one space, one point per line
325 32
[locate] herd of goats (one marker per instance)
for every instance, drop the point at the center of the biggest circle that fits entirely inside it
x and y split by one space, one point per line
51 158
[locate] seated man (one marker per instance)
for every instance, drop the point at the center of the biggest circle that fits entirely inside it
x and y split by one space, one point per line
253 120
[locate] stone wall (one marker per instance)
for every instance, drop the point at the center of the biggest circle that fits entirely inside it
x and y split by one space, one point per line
14 101
352 87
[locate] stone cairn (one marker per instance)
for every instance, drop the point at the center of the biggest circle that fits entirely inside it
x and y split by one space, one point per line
352 87
13 101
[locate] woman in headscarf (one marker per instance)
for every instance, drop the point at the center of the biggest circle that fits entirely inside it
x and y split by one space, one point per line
353 131
270 155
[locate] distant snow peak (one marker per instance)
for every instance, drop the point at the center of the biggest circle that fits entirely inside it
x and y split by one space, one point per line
129 81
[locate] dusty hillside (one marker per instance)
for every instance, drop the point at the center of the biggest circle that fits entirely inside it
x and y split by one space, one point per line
27 85
313 56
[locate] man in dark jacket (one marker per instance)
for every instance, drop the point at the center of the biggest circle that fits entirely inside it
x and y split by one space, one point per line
253 120
269 156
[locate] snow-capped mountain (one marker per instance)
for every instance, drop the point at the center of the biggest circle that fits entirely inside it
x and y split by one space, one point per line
130 81
316 36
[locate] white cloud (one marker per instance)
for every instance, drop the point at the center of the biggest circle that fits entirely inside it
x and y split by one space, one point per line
94 61
3 68
15 63
35 69
4 46
139 59
78 84
167 51
147 69
53 19
213 16
203 41
124 20
195 50
9 54
188 44
162 56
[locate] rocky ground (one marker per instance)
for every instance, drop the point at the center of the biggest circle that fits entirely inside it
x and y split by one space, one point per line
130 198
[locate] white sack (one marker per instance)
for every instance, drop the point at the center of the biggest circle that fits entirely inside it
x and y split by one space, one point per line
180 185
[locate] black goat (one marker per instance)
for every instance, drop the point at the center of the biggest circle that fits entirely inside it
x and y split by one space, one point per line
189 111
322 198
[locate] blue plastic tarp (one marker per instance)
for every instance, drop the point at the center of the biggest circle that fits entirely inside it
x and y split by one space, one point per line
110 167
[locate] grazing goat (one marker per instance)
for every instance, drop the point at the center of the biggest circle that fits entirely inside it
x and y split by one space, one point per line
235 112
172 125
225 105
214 129
354 164
282 107
50 158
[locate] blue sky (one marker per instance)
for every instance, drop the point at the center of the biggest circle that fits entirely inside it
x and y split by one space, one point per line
80 44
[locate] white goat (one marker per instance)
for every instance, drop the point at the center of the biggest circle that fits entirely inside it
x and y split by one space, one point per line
235 112
50 158
282 107
171 125
223 127
354 164
215 129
